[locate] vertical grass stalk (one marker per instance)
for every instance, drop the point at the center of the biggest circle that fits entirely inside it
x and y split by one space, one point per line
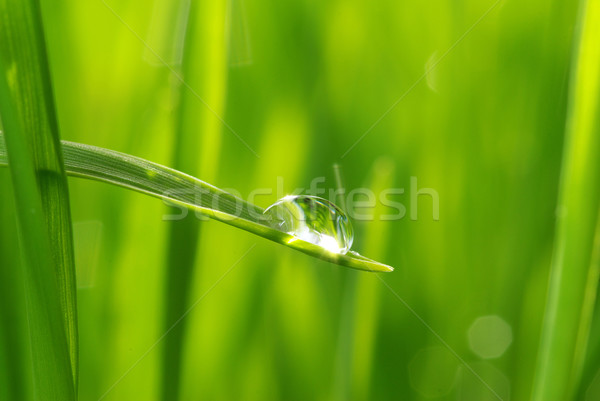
574 275
15 358
32 142
42 200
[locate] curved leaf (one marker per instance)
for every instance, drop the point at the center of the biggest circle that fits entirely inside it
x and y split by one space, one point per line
175 187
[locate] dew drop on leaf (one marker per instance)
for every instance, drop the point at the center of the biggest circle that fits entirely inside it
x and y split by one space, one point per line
312 219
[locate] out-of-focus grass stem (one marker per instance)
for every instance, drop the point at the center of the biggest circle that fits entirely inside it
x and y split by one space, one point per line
197 144
574 275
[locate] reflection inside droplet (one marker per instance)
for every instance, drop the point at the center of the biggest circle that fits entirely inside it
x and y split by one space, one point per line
312 219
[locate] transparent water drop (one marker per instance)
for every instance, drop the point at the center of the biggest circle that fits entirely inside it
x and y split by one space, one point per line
312 219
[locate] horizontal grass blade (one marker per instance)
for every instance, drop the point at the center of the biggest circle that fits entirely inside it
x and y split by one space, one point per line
183 190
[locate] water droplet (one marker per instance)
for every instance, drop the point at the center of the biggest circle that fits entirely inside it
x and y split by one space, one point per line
312 219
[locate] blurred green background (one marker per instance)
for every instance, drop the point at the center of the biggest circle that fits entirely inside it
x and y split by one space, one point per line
300 82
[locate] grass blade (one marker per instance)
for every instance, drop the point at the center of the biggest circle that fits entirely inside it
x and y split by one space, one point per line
183 190
28 114
15 355
592 357
574 276
52 367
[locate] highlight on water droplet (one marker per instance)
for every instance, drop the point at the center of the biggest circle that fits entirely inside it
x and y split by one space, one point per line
312 219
